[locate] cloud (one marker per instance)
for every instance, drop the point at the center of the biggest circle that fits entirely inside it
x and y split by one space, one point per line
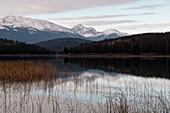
146 7
29 7
97 23
86 17
146 26
100 16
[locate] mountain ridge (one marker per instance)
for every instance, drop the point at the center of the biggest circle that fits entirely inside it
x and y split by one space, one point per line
42 25
30 30
91 34
84 31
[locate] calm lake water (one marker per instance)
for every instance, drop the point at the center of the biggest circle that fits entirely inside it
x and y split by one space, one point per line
92 85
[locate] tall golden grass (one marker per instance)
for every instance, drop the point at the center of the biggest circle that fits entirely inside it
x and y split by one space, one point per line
23 71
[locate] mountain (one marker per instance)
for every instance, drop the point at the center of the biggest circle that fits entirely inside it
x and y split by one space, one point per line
14 47
32 30
108 34
84 31
35 30
112 31
91 34
59 44
148 43
32 24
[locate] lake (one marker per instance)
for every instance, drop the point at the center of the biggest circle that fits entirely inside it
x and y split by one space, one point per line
84 85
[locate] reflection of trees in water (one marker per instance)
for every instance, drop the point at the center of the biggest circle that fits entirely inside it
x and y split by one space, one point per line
156 67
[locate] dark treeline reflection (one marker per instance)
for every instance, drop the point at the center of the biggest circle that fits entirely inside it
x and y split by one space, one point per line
148 67
18 58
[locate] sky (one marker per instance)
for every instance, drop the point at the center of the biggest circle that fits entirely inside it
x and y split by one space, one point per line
130 16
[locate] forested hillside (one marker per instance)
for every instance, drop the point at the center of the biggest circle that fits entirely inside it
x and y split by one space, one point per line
148 43
15 47
59 44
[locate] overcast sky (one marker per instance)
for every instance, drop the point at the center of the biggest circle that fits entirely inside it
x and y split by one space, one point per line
131 16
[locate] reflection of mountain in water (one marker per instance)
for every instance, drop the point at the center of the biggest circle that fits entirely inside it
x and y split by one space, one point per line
94 83
111 79
87 76
155 67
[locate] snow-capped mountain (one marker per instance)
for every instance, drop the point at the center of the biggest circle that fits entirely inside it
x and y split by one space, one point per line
32 30
108 34
112 31
36 30
91 34
84 31
42 25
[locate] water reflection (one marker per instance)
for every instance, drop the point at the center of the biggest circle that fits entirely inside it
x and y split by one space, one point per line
87 85
147 67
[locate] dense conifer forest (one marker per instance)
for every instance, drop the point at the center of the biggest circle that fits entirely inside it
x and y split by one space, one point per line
15 47
148 43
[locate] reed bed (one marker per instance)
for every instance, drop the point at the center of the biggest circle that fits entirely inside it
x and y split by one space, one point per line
24 71
34 87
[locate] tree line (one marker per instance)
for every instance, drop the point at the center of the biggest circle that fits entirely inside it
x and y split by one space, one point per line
148 43
16 47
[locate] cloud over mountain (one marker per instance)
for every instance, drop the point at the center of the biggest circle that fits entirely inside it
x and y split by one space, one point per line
147 26
29 7
98 23
101 16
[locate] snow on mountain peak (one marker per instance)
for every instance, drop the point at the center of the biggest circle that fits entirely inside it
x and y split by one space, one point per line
79 25
111 31
84 31
18 21
91 32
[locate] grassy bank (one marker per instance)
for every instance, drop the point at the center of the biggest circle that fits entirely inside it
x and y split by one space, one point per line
24 71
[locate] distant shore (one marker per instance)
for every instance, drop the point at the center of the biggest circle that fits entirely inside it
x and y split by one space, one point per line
89 55
115 55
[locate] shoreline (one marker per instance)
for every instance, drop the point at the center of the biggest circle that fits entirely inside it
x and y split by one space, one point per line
92 55
118 56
